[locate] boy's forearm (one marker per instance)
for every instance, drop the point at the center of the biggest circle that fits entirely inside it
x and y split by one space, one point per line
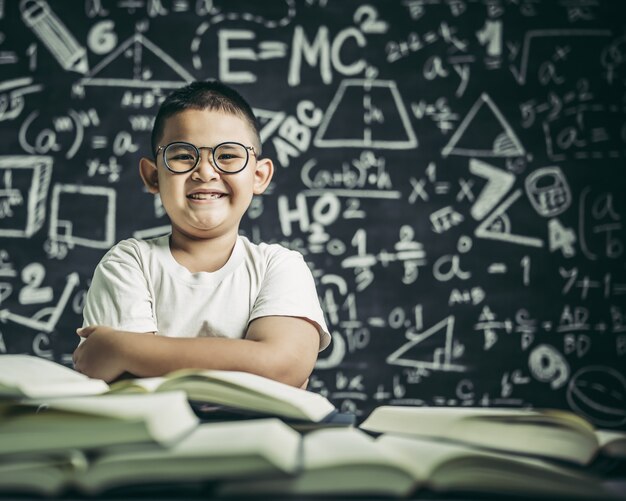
280 348
147 356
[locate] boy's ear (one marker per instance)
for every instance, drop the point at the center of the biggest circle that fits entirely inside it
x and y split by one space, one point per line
149 174
263 173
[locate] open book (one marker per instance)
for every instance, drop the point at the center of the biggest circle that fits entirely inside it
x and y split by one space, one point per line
554 434
239 390
347 461
93 421
215 451
35 377
29 376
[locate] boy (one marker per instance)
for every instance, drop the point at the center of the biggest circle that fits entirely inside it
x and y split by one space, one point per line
212 298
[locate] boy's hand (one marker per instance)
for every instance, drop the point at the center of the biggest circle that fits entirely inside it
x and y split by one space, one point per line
100 354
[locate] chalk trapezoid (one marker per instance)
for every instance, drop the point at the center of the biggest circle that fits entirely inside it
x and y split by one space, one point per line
376 99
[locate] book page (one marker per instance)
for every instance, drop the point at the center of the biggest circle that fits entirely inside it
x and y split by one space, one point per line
340 461
612 443
36 377
240 388
138 385
332 448
250 449
454 466
41 473
167 415
522 431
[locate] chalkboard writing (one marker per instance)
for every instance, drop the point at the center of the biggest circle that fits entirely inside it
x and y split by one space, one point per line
452 171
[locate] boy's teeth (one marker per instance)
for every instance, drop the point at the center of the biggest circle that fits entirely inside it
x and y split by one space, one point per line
204 196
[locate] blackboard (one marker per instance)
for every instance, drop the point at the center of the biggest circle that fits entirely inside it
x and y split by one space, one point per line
452 171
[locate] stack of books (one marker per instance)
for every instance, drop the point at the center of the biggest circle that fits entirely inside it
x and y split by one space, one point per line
248 436
401 451
62 431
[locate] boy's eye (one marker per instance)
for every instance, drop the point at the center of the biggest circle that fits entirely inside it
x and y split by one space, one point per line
227 156
181 153
183 157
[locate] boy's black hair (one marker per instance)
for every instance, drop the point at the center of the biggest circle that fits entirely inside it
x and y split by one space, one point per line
210 95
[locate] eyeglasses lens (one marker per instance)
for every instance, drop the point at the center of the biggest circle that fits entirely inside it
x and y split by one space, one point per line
228 157
181 157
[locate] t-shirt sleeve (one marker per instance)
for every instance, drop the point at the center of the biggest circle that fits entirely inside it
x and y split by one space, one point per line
288 289
119 295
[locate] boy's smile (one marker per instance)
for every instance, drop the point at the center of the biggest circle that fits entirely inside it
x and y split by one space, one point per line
206 195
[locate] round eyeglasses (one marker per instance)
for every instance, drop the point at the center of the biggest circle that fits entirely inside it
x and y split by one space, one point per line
229 157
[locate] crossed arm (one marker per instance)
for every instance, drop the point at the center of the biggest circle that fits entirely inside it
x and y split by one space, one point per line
280 348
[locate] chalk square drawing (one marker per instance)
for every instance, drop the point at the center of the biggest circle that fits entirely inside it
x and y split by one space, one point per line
129 59
585 131
24 184
96 232
384 119
484 132
533 35
439 337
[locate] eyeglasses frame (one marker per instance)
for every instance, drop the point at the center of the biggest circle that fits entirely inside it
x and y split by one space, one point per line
249 149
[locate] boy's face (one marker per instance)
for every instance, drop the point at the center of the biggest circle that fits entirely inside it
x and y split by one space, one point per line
206 203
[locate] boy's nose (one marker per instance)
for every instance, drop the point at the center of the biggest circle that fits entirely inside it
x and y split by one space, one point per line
205 169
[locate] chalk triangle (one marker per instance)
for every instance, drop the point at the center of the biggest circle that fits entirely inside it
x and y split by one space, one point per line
497 226
138 63
431 349
484 132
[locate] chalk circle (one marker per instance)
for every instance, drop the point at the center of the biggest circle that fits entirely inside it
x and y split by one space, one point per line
464 244
599 394
548 365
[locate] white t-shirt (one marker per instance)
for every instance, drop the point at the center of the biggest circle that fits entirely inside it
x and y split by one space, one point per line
138 286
